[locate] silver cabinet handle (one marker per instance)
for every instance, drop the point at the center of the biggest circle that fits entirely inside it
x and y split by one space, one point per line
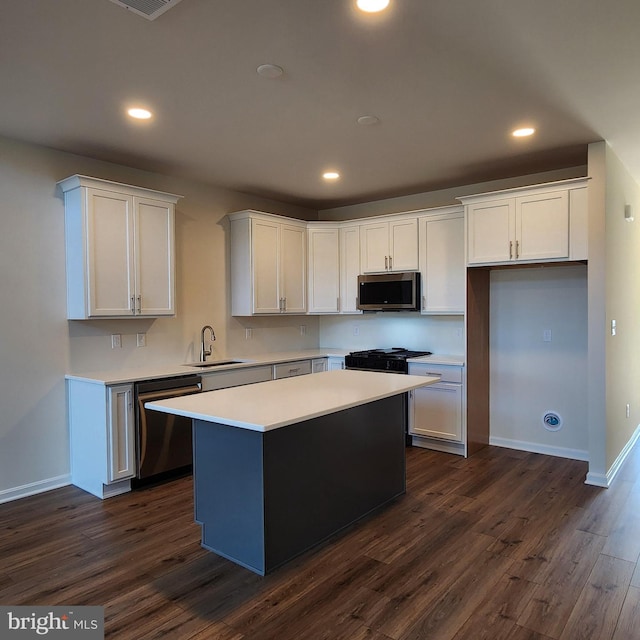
139 304
132 305
390 262
517 249
386 262
511 250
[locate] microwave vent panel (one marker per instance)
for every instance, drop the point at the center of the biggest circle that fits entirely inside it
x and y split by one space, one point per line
149 9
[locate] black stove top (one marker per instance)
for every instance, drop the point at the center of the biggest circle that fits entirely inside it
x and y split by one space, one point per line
393 359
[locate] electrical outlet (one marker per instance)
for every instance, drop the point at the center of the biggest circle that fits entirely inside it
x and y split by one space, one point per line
356 331
303 330
613 327
116 341
141 339
248 333
546 335
628 410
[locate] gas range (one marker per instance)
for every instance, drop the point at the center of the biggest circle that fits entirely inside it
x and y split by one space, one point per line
392 360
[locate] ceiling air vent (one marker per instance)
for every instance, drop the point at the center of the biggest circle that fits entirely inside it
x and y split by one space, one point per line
149 9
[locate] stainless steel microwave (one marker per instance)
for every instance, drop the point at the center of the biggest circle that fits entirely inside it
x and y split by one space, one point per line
389 291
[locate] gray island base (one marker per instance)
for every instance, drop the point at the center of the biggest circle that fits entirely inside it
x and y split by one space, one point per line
280 466
263 498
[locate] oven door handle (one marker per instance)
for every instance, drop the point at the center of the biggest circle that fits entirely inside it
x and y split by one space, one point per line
150 396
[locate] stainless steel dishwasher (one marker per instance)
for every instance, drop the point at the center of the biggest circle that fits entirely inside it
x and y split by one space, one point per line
163 440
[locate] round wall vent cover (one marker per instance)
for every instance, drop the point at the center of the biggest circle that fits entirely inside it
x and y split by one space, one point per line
552 421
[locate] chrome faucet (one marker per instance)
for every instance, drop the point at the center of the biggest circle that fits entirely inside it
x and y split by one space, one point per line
206 352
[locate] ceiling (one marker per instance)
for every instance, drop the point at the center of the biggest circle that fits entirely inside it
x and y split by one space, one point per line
448 80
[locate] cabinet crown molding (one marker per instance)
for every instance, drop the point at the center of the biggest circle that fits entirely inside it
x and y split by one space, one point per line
76 181
558 185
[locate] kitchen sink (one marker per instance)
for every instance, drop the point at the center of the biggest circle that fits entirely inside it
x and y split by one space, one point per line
213 363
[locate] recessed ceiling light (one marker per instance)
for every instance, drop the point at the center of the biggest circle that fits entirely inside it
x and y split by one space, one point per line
270 71
523 133
330 175
368 120
372 6
139 114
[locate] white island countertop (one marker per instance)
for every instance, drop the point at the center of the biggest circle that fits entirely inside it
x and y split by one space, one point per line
278 403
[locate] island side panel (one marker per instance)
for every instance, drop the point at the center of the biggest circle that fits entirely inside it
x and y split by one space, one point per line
323 474
228 488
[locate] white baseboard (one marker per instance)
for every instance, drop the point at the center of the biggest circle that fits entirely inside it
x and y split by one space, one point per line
31 489
602 480
534 447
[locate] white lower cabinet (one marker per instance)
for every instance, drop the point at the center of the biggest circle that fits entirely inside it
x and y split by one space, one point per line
121 456
291 369
102 432
318 365
235 377
436 412
335 362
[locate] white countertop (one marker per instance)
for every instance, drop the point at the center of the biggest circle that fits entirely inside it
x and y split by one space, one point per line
278 403
124 376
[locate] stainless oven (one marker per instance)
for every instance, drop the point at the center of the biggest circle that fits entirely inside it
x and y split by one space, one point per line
163 440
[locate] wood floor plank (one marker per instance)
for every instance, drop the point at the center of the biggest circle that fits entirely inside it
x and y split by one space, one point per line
597 611
561 583
627 626
495 617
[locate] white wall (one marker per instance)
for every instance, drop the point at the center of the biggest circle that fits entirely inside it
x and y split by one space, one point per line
530 376
438 334
38 346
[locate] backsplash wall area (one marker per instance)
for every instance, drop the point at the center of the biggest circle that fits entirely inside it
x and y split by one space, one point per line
438 334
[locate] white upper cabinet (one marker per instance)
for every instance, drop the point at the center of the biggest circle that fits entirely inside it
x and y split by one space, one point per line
389 245
537 224
442 262
268 264
324 269
119 250
349 268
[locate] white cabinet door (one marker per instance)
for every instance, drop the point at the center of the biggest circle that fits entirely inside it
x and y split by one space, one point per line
349 269
110 260
442 264
121 462
374 247
436 411
403 245
491 231
293 273
265 248
335 363
154 255
324 270
542 226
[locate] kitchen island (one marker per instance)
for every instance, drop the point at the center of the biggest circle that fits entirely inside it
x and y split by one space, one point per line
280 466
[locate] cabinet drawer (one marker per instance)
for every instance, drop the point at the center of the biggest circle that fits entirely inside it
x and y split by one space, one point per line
290 369
447 373
235 378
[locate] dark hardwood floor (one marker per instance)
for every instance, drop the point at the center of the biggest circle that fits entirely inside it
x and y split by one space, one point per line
503 545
